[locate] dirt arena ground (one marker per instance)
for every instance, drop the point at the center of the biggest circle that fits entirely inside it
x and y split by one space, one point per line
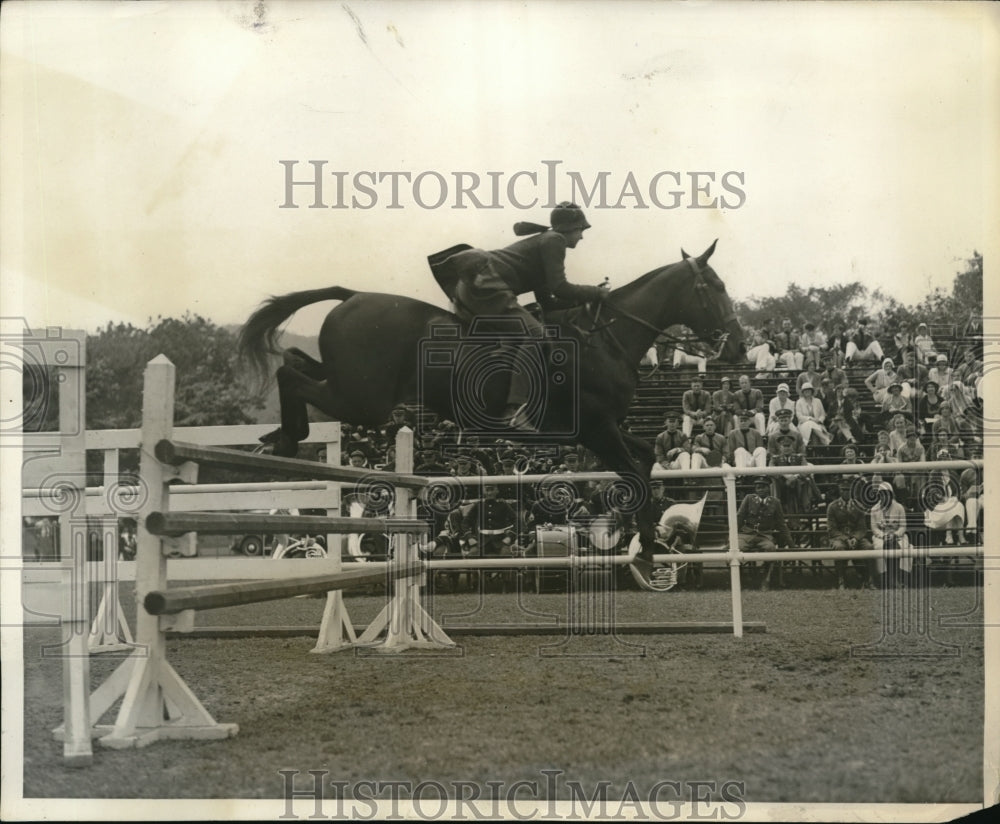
831 704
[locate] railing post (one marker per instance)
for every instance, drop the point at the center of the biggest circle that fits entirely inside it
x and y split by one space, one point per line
729 479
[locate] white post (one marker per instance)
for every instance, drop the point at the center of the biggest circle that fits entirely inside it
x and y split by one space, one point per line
156 703
70 359
734 548
336 631
406 623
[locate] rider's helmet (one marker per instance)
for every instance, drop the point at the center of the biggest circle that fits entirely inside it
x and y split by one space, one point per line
568 216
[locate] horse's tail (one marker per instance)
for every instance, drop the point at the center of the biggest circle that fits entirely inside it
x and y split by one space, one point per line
259 336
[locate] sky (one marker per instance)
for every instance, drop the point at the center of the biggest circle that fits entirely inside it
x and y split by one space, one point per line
142 171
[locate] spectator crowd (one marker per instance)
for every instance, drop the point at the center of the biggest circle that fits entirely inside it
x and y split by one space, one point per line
851 396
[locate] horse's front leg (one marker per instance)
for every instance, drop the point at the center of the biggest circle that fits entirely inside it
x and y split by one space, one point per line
607 441
644 458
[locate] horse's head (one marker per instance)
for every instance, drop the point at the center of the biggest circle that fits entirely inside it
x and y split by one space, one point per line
712 316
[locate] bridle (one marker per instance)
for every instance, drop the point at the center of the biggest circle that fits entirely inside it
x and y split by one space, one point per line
715 344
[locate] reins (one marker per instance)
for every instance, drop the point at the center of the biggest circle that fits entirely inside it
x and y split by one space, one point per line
675 340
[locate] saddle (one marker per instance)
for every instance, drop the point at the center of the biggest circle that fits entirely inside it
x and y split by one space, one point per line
444 270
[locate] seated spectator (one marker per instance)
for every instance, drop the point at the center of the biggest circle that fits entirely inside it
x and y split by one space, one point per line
956 447
945 424
697 405
780 401
760 350
851 412
682 358
480 457
862 345
888 526
490 527
430 462
895 404
928 405
745 446
838 427
388 463
969 369
466 467
911 374
810 417
901 341
897 433
359 440
570 463
940 373
879 380
659 500
400 417
847 527
751 400
923 345
850 455
882 454
836 343
828 394
943 509
971 489
810 376
357 458
813 344
797 492
513 464
708 447
724 407
789 352
966 415
762 525
837 376
911 451
672 448
784 431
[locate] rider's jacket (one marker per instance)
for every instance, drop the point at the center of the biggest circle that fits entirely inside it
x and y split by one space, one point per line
534 264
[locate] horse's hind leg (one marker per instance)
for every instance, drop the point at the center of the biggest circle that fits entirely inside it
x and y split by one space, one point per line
302 362
295 390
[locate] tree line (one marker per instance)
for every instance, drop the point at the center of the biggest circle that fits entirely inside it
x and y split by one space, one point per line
212 389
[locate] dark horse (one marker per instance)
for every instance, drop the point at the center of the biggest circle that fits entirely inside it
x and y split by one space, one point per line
372 346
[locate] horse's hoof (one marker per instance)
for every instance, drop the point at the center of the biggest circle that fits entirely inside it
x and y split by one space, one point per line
271 437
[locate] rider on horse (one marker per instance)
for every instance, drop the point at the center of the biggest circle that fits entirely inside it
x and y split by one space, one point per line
489 283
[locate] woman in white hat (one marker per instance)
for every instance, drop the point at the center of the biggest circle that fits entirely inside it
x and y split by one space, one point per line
878 382
810 415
